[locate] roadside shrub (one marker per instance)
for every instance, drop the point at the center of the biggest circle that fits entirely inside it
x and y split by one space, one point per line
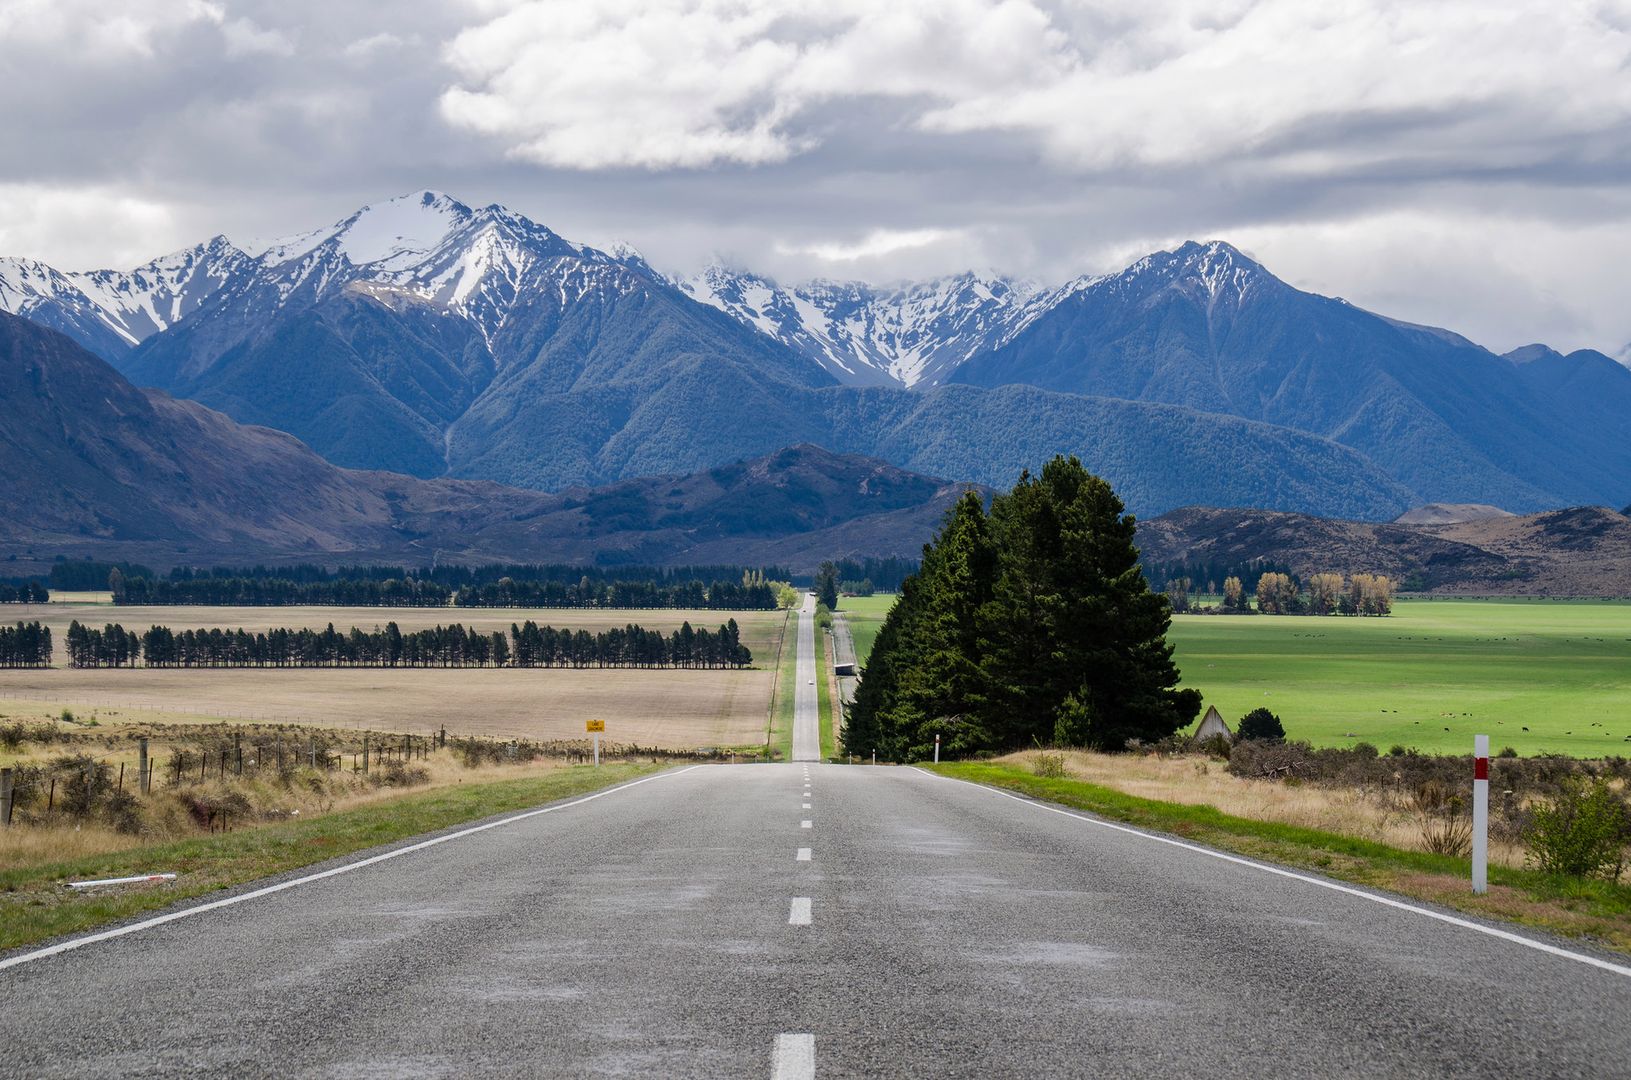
1271 760
1583 831
1446 826
1217 746
1049 764
1507 752
1260 725
401 774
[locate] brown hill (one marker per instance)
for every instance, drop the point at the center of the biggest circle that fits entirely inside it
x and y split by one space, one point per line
92 466
1450 513
1584 551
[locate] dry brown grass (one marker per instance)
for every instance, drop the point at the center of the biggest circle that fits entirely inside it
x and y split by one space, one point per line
165 818
1199 781
681 709
674 709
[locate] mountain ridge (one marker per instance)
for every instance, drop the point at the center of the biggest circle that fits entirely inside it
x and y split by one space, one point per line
425 336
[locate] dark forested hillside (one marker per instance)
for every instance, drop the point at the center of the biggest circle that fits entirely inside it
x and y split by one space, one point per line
91 466
1208 328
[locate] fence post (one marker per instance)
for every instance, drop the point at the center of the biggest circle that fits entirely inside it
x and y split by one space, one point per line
5 798
143 777
1480 813
311 751
365 754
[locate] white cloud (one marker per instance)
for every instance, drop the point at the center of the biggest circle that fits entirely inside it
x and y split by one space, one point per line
374 44
1292 86
690 83
874 245
83 228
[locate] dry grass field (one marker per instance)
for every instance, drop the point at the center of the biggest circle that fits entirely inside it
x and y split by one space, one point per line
669 709
1197 781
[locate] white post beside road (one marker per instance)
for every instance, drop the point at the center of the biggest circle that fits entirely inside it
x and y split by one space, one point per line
1480 813
937 749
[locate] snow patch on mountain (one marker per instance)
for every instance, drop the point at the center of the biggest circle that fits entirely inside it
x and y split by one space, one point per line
909 335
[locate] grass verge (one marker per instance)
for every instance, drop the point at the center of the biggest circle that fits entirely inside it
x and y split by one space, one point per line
780 736
1595 910
829 745
35 904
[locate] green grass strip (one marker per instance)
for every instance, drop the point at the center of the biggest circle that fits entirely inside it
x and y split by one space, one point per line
1588 908
829 742
35 904
781 727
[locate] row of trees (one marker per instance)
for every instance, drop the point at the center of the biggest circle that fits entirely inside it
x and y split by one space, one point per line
752 593
111 646
454 576
527 645
275 592
27 645
1028 624
29 592
1283 594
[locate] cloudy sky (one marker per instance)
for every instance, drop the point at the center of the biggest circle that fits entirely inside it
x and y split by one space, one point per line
1463 164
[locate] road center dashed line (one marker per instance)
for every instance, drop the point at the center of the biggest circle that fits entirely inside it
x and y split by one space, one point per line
803 855
799 914
120 931
794 1058
806 824
1467 924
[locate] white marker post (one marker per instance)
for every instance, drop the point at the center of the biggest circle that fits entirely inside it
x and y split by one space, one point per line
937 749
1480 813
595 727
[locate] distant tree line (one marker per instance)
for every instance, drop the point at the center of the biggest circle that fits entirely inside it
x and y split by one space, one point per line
1027 624
1208 577
83 575
1278 593
885 575
27 645
455 577
279 592
751 593
526 645
27 592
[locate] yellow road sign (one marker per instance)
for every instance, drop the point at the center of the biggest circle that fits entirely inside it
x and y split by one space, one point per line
595 725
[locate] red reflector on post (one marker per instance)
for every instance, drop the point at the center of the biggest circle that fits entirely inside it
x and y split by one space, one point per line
1480 768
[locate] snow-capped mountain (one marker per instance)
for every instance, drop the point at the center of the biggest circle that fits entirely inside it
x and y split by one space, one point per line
911 335
111 311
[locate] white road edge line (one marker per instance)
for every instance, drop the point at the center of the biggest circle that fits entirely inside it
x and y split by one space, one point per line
121 931
1504 935
803 855
794 1058
799 913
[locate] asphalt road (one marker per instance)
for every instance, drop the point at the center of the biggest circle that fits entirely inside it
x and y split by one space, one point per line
806 718
691 925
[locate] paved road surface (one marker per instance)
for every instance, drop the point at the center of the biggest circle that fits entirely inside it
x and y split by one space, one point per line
806 717
691 924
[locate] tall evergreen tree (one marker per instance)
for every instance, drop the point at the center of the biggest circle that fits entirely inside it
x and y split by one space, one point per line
1031 624
826 585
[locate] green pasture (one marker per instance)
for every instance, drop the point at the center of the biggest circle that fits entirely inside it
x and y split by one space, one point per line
1430 676
865 615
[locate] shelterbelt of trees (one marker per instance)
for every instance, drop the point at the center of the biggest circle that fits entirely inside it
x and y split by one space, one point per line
27 593
1031 624
751 594
526 645
26 645
1328 593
